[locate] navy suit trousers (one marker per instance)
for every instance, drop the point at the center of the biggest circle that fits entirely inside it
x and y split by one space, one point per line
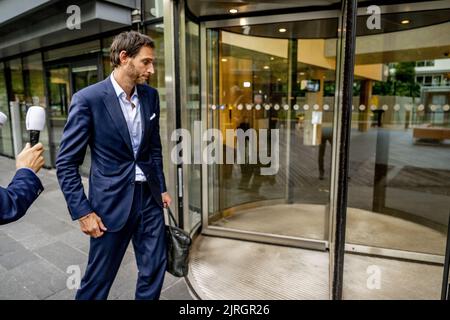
146 228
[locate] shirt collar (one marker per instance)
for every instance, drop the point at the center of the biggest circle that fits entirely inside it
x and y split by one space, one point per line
118 89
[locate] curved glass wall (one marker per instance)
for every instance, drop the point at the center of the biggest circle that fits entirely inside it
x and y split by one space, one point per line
157 81
399 179
271 100
192 114
275 83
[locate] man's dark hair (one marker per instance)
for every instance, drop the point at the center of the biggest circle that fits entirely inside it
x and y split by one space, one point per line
130 42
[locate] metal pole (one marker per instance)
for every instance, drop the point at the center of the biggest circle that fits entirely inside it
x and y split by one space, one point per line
173 84
347 48
290 126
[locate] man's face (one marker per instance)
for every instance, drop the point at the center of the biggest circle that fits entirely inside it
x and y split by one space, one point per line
140 68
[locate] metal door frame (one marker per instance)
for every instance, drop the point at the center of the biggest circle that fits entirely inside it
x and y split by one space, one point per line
234 233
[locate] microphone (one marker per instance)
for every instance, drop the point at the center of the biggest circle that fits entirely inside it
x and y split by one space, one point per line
35 122
3 119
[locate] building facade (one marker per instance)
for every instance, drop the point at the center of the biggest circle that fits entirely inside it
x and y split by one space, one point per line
346 106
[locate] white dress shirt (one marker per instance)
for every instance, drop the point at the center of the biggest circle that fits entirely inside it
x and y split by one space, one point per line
133 119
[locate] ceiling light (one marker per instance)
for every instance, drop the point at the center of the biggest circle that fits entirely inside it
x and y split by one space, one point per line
247 84
233 11
282 30
405 21
272 58
224 60
266 67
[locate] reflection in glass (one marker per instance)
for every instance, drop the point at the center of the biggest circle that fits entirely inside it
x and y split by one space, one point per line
192 110
157 81
153 9
400 161
17 95
63 82
399 179
6 142
280 85
59 95
33 73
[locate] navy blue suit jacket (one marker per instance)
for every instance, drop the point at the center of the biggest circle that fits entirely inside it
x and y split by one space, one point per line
96 119
18 197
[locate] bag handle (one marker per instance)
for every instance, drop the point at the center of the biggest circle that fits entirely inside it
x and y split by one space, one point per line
171 218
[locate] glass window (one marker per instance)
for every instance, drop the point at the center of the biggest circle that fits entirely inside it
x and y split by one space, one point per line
153 9
18 95
6 141
58 81
157 81
33 72
274 92
399 173
446 79
436 80
192 110
106 58
63 80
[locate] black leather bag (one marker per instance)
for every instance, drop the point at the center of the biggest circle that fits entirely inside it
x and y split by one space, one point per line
178 245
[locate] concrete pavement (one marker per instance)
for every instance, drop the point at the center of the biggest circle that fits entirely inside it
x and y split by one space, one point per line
36 251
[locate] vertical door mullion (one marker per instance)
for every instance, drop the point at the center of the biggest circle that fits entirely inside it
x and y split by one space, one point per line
204 120
171 57
342 125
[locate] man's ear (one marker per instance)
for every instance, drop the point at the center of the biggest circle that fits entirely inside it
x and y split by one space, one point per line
123 57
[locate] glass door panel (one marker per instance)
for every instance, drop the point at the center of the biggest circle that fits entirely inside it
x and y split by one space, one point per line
399 179
59 99
270 100
6 141
63 81
84 76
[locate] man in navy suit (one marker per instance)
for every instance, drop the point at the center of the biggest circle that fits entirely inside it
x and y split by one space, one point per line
119 119
25 186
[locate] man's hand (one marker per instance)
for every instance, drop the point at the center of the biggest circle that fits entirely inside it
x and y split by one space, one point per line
166 199
92 225
31 157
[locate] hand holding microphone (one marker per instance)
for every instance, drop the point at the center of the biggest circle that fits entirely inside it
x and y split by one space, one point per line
35 122
31 157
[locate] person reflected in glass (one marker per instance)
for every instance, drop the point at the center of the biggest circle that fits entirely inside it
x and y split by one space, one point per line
246 168
327 135
251 178
236 95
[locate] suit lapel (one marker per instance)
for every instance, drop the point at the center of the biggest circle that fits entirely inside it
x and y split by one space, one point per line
145 113
112 105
